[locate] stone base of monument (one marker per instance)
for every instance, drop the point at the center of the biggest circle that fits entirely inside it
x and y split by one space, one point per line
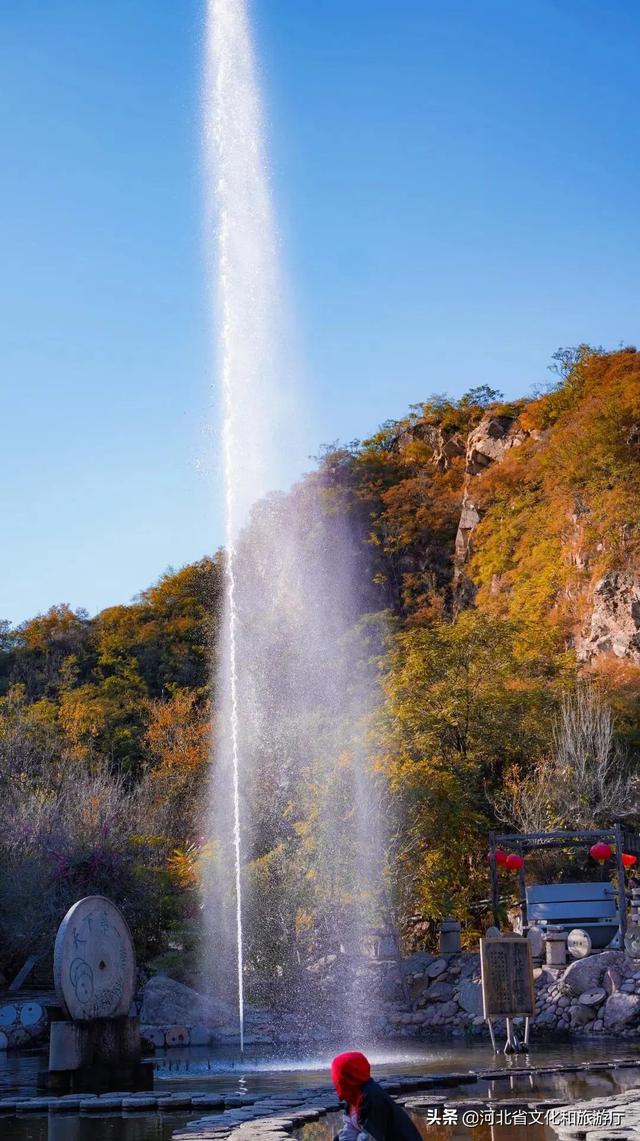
97 1055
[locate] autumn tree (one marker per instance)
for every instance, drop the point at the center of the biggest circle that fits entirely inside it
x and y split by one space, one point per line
461 707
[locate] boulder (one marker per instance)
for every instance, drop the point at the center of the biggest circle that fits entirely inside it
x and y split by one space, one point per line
580 1015
418 961
470 997
200 1036
587 974
437 968
620 1009
166 1002
440 992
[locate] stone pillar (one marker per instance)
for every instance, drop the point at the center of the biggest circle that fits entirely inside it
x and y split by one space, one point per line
556 947
450 937
635 906
536 940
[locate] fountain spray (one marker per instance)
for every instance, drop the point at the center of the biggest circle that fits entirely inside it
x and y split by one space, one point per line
295 683
242 244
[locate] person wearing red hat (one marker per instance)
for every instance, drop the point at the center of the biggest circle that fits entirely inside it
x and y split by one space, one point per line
369 1109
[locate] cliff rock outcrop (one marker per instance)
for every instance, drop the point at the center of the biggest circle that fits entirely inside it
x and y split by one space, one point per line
487 444
614 624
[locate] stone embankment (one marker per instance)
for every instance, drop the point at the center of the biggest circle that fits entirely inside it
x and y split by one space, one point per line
599 994
441 994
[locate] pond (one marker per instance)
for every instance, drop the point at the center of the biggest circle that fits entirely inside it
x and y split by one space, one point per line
202 1070
262 1071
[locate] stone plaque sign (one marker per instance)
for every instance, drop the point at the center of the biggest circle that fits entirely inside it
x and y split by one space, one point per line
507 977
578 943
94 965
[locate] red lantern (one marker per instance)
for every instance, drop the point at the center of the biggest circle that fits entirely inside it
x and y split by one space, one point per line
628 860
514 862
500 857
601 852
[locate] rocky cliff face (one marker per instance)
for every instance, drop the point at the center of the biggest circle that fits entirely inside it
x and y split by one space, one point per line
611 626
486 445
528 510
614 623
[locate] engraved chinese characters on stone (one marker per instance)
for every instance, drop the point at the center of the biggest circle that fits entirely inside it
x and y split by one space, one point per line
507 977
94 962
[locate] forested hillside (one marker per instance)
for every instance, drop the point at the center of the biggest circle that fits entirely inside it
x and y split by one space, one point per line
505 550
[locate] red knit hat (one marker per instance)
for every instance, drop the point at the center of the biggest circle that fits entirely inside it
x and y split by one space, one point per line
349 1072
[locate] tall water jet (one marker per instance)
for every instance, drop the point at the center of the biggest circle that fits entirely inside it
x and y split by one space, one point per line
241 225
297 846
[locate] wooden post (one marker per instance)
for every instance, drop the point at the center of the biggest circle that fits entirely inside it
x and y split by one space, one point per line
495 898
622 894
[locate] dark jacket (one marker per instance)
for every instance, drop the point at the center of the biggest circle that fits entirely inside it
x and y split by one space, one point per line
382 1117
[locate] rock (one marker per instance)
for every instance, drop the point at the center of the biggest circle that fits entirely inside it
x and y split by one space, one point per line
593 997
544 976
166 1002
620 1009
487 444
437 968
546 1017
612 979
491 440
418 962
580 1015
470 997
614 627
447 1010
440 992
587 974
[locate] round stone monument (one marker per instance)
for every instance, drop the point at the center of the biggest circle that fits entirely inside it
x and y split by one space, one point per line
94 964
579 943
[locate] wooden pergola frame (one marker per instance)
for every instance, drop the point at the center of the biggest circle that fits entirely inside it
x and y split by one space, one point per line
522 842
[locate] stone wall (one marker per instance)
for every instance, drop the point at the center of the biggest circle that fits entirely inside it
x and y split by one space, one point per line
599 994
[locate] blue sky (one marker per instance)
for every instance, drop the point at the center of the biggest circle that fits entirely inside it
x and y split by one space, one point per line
457 190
